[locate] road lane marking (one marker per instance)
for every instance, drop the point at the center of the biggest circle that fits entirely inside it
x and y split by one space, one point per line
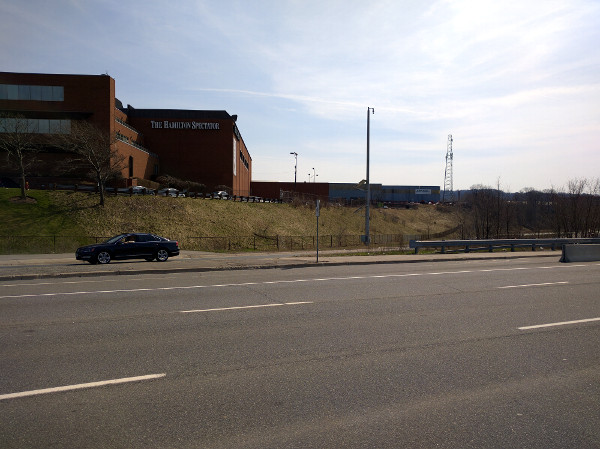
562 323
35 284
291 281
219 309
543 284
81 386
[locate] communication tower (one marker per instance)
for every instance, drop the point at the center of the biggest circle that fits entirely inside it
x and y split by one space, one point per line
448 195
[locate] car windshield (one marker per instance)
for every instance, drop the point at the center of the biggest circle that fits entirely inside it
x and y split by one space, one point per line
115 239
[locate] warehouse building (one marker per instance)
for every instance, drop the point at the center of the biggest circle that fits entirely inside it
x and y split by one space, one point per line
347 193
194 145
385 194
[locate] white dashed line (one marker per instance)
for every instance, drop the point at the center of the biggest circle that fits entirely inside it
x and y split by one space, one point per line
81 386
220 309
562 323
535 285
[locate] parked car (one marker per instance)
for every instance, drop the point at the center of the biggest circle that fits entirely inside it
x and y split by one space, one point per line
129 246
220 194
168 192
141 190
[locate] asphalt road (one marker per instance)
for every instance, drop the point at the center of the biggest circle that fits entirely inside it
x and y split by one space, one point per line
428 355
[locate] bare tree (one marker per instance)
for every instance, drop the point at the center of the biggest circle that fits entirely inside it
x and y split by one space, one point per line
591 210
577 209
482 200
576 206
96 150
17 139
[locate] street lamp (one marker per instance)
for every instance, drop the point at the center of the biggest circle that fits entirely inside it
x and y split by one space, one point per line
367 230
295 167
314 175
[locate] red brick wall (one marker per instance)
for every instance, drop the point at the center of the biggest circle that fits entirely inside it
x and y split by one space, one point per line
92 95
271 189
201 155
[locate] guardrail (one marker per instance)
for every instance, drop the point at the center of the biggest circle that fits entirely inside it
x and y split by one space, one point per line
490 245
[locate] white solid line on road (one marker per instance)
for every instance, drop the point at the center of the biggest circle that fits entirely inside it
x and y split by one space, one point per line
220 309
81 386
563 323
535 285
291 281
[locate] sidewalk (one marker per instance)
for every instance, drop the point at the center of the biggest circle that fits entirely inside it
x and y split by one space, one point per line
40 266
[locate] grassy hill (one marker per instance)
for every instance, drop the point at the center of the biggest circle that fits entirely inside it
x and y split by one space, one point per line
61 221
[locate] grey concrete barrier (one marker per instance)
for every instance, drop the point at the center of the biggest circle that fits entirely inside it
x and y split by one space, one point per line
580 253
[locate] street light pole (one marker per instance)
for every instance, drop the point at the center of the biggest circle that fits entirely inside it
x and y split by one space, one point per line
368 202
295 167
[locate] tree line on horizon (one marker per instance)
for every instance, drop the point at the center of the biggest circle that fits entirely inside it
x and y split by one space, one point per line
572 211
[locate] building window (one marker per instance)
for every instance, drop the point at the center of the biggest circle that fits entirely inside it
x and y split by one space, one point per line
34 126
131 166
244 160
234 157
43 126
36 93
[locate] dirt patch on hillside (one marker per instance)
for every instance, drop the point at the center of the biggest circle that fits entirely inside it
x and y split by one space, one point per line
19 200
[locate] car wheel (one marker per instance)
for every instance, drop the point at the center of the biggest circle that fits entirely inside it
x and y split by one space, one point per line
162 255
149 259
103 257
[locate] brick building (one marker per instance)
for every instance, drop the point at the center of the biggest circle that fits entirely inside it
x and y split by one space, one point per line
193 145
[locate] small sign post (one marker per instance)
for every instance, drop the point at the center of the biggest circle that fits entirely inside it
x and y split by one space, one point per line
317 213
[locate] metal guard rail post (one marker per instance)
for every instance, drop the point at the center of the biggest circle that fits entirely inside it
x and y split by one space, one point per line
492 244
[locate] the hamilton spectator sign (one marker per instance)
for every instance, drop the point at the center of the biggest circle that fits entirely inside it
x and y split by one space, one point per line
169 124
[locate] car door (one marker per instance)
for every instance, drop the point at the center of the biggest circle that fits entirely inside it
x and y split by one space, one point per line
121 248
146 245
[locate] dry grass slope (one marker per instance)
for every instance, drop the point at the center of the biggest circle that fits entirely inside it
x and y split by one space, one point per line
186 217
61 221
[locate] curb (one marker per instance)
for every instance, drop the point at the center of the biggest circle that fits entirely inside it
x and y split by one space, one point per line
304 264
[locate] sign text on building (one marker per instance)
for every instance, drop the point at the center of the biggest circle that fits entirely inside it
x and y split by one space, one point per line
166 124
422 191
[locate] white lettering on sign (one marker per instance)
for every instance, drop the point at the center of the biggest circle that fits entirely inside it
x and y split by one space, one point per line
423 191
166 124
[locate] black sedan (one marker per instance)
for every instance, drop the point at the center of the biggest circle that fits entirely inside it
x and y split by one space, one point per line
129 246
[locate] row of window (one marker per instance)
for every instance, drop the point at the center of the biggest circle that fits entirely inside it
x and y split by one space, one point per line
133 143
36 126
244 161
127 125
26 92
130 141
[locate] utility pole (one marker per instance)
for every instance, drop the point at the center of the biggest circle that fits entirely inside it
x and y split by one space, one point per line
295 167
368 199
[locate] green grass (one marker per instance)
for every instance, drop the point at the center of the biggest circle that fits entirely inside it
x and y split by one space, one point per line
61 221
31 226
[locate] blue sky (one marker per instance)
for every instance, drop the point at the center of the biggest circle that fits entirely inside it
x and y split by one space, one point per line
517 83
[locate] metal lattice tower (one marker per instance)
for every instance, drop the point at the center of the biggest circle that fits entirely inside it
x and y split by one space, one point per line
448 181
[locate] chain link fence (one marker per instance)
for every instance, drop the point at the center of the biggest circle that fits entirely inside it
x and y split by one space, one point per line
27 244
